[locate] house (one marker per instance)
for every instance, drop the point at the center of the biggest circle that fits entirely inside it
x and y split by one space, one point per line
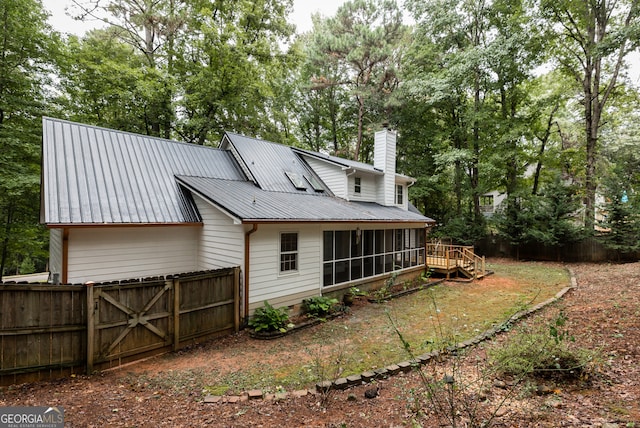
491 202
298 223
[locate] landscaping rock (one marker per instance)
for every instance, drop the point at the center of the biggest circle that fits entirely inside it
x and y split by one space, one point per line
341 383
371 392
405 366
354 379
324 386
368 376
255 394
393 369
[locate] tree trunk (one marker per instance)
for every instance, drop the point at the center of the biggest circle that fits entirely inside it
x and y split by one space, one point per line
543 144
474 170
356 155
5 241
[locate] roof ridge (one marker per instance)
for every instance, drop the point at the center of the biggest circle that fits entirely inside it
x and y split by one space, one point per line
120 131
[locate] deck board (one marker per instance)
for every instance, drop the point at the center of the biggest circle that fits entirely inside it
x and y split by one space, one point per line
452 259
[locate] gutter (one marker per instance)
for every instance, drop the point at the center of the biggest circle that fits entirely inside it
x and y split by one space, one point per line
247 240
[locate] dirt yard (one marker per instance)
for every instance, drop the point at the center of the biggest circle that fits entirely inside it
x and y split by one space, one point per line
603 315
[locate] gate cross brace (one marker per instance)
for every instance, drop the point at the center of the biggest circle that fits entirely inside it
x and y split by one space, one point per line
136 318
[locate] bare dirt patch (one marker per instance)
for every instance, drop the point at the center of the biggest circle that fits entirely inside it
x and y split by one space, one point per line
603 315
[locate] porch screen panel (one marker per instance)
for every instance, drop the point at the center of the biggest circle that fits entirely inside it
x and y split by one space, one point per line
349 255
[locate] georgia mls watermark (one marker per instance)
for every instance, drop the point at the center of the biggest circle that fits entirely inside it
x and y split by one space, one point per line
31 417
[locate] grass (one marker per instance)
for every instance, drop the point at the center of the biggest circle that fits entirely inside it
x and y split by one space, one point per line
365 340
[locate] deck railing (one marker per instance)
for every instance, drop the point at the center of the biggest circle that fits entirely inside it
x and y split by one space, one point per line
453 257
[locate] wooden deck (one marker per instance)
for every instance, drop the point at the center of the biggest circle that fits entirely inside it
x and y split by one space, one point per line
455 261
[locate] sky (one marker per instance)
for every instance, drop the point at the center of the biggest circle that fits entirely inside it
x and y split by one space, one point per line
301 16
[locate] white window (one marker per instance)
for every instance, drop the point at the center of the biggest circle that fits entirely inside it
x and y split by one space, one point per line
399 194
288 252
486 203
358 185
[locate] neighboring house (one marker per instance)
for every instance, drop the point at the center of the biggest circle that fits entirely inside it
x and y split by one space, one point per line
298 223
491 203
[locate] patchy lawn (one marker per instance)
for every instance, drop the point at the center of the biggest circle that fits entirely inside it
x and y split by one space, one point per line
603 314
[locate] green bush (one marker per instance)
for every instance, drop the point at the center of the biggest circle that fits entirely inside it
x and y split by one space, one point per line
540 352
267 318
319 306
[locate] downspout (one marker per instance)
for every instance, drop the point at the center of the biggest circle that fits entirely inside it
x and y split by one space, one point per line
353 171
408 186
247 240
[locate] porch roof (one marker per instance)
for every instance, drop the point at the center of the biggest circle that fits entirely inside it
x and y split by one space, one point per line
248 203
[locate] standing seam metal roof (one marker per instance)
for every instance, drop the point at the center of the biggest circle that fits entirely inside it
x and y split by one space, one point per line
93 175
347 163
98 175
267 163
248 202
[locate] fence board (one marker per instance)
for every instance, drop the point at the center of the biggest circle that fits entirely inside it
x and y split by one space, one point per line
586 250
38 332
50 331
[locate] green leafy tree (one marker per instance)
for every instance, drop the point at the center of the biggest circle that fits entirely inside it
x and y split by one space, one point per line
361 45
325 111
621 176
104 82
554 222
230 65
27 49
548 218
592 39
470 63
150 27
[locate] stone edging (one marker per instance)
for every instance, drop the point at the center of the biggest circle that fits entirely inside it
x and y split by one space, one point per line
393 369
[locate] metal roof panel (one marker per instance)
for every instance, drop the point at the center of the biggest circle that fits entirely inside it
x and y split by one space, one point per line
97 175
248 202
269 163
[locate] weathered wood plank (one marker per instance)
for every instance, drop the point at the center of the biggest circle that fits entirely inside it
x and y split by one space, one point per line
52 330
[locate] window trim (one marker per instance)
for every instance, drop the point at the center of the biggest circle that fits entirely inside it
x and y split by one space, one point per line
399 194
357 187
296 253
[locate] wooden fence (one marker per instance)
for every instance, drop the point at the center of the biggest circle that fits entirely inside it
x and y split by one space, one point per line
46 331
586 250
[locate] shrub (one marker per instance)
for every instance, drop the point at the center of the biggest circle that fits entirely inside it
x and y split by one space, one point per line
384 292
319 306
541 351
267 318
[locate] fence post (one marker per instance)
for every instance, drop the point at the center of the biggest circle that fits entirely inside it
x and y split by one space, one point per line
236 297
91 324
176 313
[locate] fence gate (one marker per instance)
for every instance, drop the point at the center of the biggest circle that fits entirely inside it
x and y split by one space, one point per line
130 320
